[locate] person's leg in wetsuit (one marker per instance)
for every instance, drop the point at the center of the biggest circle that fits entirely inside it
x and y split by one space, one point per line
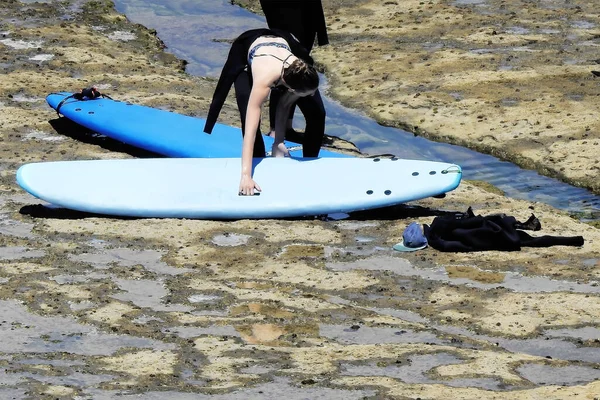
314 111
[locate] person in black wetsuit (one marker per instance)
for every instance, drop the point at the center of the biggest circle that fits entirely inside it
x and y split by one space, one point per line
263 61
306 21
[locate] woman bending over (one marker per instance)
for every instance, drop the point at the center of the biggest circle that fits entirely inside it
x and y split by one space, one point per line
261 61
306 21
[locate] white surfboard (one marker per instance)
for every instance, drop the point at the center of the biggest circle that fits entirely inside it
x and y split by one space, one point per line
208 188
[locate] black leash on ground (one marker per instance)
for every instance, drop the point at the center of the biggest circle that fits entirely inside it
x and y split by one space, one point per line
85 94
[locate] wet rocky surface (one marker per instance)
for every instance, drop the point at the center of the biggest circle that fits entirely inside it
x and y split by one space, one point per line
100 307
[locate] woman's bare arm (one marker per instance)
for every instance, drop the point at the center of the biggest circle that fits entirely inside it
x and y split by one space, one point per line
258 95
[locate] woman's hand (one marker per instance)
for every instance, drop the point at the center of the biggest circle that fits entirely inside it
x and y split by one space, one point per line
248 186
279 150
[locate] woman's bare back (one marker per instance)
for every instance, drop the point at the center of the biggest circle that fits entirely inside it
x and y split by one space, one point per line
268 56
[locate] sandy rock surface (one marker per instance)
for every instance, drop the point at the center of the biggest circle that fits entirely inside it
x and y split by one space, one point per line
99 307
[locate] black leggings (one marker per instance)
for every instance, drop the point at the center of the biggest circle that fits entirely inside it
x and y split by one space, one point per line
311 106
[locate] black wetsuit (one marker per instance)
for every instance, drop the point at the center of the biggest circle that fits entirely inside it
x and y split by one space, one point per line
237 71
302 18
465 232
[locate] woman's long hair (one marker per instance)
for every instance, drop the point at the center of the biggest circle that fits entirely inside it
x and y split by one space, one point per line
301 76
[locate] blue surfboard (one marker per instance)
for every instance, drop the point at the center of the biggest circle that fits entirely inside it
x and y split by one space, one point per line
163 132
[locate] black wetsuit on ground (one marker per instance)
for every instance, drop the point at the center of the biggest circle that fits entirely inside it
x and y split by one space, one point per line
465 232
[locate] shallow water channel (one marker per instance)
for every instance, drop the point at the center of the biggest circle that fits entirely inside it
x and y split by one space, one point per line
199 32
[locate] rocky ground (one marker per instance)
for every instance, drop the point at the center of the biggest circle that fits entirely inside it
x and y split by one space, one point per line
99 307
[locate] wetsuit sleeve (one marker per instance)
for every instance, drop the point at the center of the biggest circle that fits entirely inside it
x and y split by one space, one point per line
233 67
218 100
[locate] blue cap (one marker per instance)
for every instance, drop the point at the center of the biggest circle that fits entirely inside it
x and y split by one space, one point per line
412 239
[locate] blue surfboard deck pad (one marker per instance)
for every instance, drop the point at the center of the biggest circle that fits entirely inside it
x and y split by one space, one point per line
207 188
159 131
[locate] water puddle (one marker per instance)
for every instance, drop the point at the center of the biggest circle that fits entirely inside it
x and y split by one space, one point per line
42 57
21 44
355 225
81 305
517 30
39 135
364 239
356 334
258 369
19 252
23 332
144 319
150 260
549 348
9 379
199 32
75 379
22 98
279 388
122 36
231 239
9 393
412 371
583 25
71 279
68 8
404 315
358 250
569 375
187 332
511 280
469 2
585 333
203 298
54 363
415 370
11 227
147 294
